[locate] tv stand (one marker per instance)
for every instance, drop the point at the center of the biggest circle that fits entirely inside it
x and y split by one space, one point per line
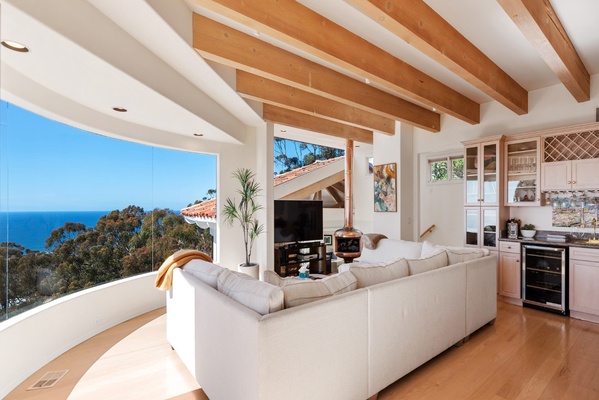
289 258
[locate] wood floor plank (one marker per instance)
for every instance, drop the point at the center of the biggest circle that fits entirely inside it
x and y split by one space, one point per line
527 355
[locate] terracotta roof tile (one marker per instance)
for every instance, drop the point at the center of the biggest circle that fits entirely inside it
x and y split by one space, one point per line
207 208
287 176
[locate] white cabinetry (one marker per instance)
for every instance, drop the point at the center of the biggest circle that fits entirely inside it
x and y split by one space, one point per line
510 274
570 175
584 283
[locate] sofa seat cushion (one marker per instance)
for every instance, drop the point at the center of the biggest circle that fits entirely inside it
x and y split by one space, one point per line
434 260
204 271
259 296
301 291
371 274
391 249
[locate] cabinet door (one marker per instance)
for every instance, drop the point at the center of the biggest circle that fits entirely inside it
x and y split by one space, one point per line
556 175
490 174
472 188
522 172
490 227
472 224
584 281
509 275
585 174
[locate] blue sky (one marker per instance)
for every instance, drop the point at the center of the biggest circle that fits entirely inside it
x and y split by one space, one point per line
48 166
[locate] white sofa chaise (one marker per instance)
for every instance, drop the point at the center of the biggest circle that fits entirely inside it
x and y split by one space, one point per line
345 346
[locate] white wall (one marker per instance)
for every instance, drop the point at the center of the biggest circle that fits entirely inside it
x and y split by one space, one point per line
34 338
442 205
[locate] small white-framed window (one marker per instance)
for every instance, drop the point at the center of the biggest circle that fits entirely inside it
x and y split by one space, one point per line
448 168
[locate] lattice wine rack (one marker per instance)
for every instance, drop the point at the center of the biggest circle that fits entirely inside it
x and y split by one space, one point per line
571 146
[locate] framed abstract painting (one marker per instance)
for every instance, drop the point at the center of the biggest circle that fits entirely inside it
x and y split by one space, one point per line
385 188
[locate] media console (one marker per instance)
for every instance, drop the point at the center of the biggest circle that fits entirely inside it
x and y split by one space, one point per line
289 258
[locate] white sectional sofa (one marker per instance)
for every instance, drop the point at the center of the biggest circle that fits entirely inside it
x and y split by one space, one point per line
240 342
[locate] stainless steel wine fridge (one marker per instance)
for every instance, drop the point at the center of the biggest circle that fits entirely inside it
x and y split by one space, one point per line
545 277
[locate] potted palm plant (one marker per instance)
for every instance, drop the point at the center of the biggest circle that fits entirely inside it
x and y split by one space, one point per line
244 212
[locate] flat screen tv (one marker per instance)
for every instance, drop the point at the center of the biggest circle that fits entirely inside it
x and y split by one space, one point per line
298 220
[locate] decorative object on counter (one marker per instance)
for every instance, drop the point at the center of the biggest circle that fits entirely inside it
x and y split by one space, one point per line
512 228
528 231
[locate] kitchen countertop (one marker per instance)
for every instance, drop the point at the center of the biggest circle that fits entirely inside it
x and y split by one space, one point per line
541 239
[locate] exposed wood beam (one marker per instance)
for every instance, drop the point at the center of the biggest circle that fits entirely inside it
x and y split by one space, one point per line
539 23
339 186
315 124
294 24
315 187
266 91
225 45
420 26
339 199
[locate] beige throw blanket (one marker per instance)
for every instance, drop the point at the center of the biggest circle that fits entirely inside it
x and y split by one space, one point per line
371 240
164 280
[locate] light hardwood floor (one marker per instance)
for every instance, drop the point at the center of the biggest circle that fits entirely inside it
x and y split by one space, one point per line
527 354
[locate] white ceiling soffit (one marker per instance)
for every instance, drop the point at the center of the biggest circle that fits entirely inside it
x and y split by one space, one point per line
107 68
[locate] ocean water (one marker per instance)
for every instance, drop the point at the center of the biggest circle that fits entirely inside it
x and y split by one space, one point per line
31 229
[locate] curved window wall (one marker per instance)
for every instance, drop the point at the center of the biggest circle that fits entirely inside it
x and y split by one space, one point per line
79 209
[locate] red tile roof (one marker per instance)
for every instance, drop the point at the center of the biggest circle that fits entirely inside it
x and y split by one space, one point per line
207 208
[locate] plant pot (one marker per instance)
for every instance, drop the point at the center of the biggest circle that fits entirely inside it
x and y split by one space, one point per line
529 234
252 270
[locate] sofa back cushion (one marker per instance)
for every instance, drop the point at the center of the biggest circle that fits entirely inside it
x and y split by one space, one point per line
301 291
372 274
204 271
391 249
458 255
434 260
259 296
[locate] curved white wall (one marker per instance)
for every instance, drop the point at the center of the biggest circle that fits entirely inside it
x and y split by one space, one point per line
30 340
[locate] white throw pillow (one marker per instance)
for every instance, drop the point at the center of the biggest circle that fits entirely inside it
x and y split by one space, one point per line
204 271
371 274
437 259
427 248
391 249
259 296
301 291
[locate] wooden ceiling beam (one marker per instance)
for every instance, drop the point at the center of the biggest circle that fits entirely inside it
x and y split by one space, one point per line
540 24
420 26
314 124
315 187
296 25
264 90
339 199
225 45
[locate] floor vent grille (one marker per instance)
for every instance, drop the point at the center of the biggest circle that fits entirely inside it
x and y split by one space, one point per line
48 380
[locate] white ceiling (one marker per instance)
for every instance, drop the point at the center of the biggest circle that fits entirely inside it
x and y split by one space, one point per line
88 56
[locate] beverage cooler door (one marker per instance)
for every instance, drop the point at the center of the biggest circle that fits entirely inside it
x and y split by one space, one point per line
544 277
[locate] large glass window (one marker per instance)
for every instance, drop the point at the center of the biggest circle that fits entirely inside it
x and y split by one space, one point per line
79 209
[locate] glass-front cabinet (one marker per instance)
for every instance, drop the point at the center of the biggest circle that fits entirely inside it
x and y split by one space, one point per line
482 174
484 212
522 172
482 226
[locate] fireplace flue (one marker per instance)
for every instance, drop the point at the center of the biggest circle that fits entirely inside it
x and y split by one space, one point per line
348 241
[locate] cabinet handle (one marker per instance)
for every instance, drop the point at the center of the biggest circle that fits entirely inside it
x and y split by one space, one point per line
517 260
573 182
569 182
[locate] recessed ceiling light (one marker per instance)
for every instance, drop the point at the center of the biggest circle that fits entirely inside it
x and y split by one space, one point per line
198 134
119 109
283 130
15 46
367 81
